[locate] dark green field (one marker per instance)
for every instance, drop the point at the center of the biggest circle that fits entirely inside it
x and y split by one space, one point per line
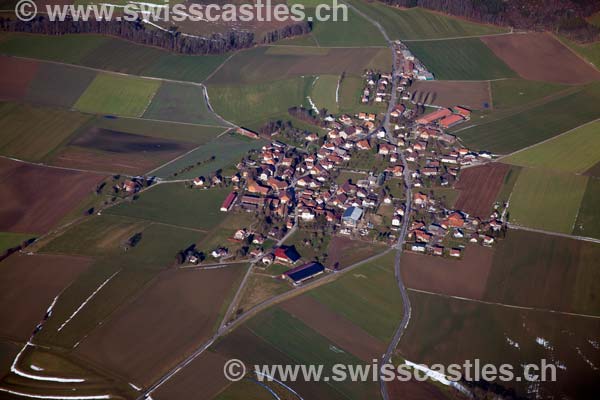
460 59
180 102
509 93
588 219
547 272
518 130
176 204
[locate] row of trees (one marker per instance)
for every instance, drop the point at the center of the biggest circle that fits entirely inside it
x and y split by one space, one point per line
563 16
137 31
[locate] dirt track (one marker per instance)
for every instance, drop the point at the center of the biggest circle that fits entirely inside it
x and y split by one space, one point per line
540 57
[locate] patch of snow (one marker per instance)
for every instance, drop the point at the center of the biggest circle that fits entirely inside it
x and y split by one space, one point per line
281 383
587 360
512 343
50 397
544 343
595 344
36 368
135 387
560 365
17 371
312 104
438 377
335 349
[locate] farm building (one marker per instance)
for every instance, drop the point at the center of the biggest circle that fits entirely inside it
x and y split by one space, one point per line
434 116
286 254
304 272
450 121
228 202
352 216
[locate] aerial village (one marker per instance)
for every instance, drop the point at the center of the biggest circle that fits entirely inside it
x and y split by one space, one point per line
291 187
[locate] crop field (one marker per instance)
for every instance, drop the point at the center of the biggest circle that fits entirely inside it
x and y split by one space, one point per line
589 51
540 57
339 330
118 95
182 103
418 23
473 95
176 204
323 92
70 49
304 345
15 77
460 59
98 236
58 85
255 104
261 64
509 93
159 129
465 278
33 133
368 297
113 280
547 272
479 187
184 68
444 330
555 197
34 199
41 277
245 389
575 152
526 127
100 149
184 303
227 150
588 219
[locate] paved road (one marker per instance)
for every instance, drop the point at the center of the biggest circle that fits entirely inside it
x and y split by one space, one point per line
405 221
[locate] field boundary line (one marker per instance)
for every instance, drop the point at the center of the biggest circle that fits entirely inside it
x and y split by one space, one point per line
42 165
549 139
175 159
581 57
218 67
492 303
465 37
559 234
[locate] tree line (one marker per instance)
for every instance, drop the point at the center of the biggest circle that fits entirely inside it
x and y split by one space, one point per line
567 17
138 32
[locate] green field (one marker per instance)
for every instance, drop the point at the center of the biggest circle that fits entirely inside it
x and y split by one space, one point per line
417 23
176 204
138 266
506 133
249 104
33 133
368 296
546 272
181 103
9 240
460 59
323 92
268 63
509 93
227 150
58 85
350 93
575 152
305 346
588 219
118 95
111 54
546 200
589 51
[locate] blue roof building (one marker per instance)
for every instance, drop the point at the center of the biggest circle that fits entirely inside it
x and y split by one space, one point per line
303 272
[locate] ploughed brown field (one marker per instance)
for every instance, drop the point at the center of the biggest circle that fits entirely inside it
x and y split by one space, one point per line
15 76
170 319
335 327
34 198
107 150
466 277
474 95
479 187
540 57
40 278
344 252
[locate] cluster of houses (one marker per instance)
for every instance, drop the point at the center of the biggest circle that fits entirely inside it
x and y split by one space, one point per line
410 66
377 87
446 118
